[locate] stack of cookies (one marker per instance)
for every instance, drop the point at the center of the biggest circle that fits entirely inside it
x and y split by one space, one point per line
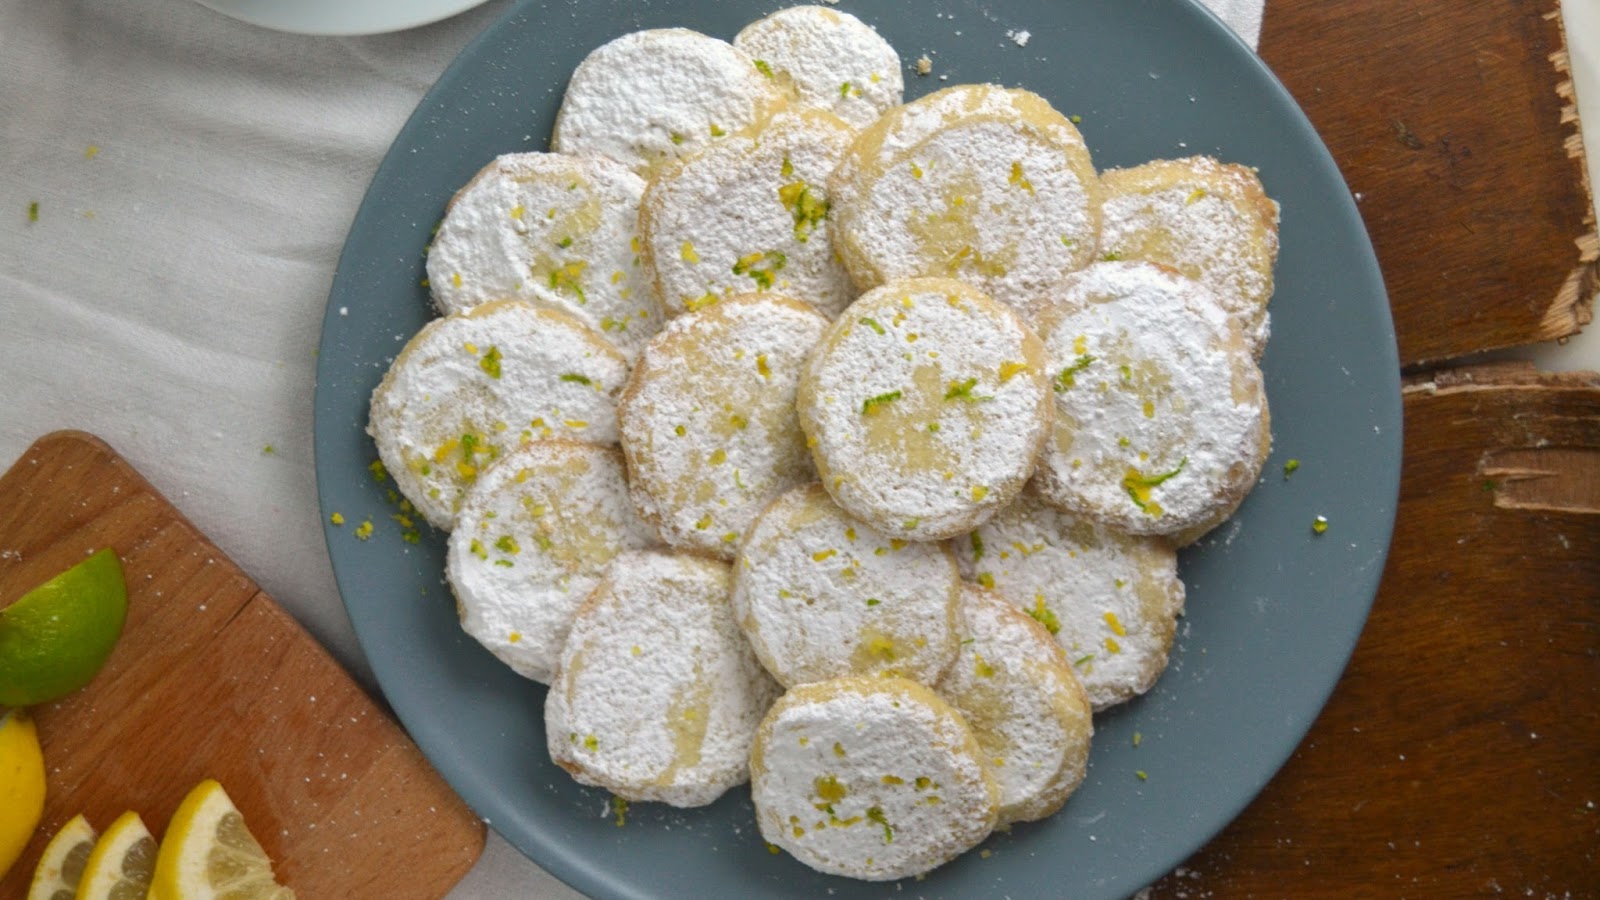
794 435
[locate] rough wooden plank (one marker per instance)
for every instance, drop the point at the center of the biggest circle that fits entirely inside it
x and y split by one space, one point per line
1456 125
1460 753
212 679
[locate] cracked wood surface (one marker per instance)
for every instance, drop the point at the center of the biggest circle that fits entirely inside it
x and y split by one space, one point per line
1456 124
1460 753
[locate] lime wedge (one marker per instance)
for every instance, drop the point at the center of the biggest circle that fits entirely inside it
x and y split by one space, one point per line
58 635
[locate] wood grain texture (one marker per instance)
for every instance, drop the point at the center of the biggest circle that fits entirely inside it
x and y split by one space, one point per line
1460 753
212 679
1456 125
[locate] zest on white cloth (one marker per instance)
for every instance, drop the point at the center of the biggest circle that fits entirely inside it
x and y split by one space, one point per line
195 178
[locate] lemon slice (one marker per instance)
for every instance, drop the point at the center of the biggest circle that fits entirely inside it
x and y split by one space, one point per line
58 635
120 864
61 867
209 853
21 785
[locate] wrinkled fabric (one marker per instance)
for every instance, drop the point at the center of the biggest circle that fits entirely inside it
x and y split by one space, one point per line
194 179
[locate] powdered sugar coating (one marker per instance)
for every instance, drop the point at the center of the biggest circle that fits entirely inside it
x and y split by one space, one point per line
822 595
470 387
833 60
1112 599
1024 705
995 202
925 404
708 420
657 95
535 533
557 231
1209 220
871 778
658 695
749 214
1161 417
903 127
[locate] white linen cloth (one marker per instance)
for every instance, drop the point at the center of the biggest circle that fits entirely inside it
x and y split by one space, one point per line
195 178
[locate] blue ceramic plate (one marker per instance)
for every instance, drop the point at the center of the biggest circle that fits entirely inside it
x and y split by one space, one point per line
1273 611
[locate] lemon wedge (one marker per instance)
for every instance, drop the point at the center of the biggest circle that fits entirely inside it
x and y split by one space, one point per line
57 636
61 867
120 864
21 785
209 853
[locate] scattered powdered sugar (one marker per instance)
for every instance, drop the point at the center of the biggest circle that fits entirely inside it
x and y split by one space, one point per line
558 231
470 387
750 213
833 60
822 595
535 533
1160 410
1026 709
661 94
926 403
1209 220
708 421
871 778
658 695
1111 599
1019 36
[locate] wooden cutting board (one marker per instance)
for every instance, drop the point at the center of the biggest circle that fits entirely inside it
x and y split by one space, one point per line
212 679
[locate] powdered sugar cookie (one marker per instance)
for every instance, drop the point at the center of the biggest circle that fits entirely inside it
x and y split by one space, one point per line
1161 418
472 386
557 231
925 405
658 95
535 532
658 695
903 127
1026 708
822 595
708 421
833 60
749 214
871 778
1006 202
1211 221
1111 599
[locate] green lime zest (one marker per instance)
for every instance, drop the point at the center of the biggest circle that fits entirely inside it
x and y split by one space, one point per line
872 403
761 267
1044 616
802 205
490 362
875 814
1068 376
1138 485
961 390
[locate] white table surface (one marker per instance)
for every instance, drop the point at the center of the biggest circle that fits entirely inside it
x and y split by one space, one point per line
195 178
